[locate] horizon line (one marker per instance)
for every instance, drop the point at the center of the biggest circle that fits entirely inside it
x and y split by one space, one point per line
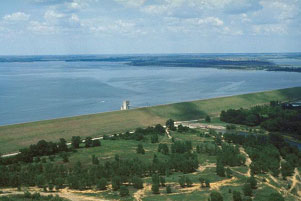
91 54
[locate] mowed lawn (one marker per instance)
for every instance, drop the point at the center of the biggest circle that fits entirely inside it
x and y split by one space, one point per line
14 137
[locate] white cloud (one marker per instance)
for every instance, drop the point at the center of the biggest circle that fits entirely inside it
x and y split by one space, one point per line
199 6
268 29
42 28
79 4
156 9
244 18
18 16
132 3
209 20
230 31
51 15
74 18
109 27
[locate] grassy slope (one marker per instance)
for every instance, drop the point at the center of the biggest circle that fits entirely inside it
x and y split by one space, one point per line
16 136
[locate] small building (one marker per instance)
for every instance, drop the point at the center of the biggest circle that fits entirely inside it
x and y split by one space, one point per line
125 105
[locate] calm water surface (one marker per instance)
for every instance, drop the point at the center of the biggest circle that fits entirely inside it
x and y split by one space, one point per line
33 91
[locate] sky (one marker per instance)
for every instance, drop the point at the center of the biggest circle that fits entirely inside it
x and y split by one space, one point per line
52 27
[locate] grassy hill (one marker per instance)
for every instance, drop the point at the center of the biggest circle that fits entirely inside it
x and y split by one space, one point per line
14 137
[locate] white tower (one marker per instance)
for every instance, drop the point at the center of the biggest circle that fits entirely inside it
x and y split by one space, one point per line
125 105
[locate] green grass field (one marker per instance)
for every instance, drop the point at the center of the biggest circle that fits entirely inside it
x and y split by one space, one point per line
14 137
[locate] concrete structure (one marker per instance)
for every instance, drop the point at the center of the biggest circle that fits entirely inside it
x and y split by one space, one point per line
125 105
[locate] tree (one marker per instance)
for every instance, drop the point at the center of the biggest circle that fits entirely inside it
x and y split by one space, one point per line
51 158
182 129
154 138
220 170
124 191
198 149
182 181
62 145
207 119
162 181
275 197
96 143
117 158
95 160
75 142
40 181
252 181
137 182
155 178
155 188
159 129
65 157
163 148
247 189
140 149
202 181
236 196
50 187
188 181
59 183
116 181
207 182
216 196
228 172
88 142
170 124
102 184
287 169
168 189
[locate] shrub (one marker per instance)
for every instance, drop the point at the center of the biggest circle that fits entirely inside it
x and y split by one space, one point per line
124 191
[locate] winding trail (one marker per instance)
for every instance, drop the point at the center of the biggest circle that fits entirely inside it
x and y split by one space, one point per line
138 195
248 161
295 181
201 168
168 133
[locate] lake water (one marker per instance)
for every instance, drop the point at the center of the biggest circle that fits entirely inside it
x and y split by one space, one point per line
31 91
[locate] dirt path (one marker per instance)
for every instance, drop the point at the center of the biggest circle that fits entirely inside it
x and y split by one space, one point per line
218 184
201 168
140 193
195 187
168 133
197 124
295 181
283 190
248 161
65 193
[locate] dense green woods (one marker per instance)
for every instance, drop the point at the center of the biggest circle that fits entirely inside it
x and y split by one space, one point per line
281 117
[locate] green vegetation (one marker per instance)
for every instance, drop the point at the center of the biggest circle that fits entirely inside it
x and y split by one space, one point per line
31 197
280 117
14 137
146 164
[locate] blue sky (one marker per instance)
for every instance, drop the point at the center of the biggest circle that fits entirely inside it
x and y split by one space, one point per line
149 26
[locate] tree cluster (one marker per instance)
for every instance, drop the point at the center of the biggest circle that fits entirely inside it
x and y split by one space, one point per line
273 117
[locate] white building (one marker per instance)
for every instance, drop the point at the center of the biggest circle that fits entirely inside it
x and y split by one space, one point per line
125 105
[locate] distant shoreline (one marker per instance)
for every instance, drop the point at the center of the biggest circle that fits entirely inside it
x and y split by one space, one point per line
236 61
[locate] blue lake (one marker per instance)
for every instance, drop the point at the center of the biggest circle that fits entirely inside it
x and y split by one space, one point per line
31 91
